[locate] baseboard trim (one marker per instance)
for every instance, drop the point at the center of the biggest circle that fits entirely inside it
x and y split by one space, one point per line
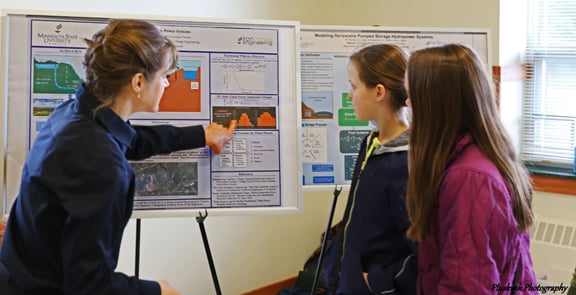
273 289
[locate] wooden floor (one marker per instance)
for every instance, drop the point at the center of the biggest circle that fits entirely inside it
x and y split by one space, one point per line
273 288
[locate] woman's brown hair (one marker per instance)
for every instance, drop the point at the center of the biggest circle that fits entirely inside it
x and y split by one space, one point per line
122 49
451 95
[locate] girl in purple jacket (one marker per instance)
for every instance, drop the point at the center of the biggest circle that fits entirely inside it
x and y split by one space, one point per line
469 196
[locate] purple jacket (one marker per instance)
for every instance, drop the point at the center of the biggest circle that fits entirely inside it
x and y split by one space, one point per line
476 245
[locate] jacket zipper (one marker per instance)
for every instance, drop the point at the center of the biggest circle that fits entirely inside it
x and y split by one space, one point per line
373 143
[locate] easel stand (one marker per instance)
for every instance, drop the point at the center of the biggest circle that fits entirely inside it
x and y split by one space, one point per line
137 258
200 220
337 191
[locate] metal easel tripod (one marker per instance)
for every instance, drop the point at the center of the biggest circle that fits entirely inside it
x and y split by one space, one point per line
337 191
200 219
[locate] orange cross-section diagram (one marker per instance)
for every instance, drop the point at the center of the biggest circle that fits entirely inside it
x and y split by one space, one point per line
182 95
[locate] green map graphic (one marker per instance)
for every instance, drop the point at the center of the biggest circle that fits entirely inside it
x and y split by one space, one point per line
55 77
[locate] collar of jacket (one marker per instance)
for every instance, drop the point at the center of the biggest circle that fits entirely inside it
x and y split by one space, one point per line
400 143
121 130
462 143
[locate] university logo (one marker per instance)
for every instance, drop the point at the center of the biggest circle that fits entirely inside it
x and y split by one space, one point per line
246 40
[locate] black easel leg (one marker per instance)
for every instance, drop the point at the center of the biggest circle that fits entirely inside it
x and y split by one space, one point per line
137 258
337 191
200 220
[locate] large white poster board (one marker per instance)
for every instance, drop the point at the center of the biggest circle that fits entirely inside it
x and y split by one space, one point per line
228 69
330 132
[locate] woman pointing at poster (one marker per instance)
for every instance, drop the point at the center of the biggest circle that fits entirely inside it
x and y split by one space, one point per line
77 187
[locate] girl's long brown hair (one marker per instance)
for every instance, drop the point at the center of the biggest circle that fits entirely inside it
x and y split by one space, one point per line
451 95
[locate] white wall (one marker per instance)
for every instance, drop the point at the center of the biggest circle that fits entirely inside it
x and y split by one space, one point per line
249 251
406 13
252 251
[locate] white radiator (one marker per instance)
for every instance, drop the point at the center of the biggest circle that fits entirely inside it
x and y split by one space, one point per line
553 249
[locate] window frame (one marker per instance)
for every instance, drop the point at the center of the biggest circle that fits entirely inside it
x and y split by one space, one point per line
545 44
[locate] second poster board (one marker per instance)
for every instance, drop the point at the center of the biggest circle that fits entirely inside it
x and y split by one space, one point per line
330 132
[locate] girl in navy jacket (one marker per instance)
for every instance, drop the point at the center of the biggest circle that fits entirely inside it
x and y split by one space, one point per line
370 253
